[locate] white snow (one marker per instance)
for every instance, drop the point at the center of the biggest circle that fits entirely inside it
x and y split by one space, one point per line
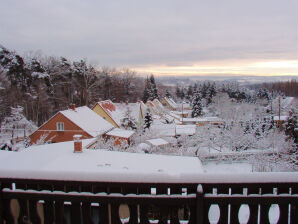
158 104
280 118
186 129
39 75
171 102
117 132
88 120
58 162
157 142
221 167
143 146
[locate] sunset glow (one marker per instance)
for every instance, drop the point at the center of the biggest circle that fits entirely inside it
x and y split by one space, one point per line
264 68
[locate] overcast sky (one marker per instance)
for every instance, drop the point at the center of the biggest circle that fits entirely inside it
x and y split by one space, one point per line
162 36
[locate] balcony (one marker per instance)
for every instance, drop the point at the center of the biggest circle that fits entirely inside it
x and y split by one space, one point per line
202 198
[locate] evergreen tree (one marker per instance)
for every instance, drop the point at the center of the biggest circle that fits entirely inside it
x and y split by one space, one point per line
146 91
153 89
290 126
150 91
210 93
178 92
147 120
196 105
167 94
189 92
128 122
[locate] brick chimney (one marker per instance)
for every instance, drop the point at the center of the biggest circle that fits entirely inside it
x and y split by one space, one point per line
72 106
77 143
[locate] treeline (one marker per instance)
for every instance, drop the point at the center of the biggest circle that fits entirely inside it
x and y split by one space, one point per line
44 85
287 88
208 90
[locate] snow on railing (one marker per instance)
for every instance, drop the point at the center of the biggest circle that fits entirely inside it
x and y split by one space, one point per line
214 198
160 176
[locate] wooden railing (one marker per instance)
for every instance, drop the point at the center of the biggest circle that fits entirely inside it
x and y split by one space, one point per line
50 201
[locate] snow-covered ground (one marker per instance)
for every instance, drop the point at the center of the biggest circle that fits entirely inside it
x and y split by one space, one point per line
224 167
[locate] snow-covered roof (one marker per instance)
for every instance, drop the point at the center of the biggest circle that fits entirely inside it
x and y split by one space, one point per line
159 105
162 130
172 114
202 119
157 142
117 132
88 120
143 146
117 110
180 112
171 102
282 118
186 129
154 109
58 162
110 108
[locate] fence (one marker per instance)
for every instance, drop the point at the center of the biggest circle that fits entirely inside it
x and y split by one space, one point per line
56 201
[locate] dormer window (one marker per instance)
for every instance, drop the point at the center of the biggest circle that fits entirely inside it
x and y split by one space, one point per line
60 126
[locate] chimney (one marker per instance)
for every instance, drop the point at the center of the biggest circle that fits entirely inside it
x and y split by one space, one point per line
72 106
77 143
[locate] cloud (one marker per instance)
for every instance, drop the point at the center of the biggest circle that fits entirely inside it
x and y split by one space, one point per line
142 33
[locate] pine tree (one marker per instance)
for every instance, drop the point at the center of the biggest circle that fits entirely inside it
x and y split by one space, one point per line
147 120
196 105
167 94
128 122
178 92
146 91
153 89
189 92
150 91
290 126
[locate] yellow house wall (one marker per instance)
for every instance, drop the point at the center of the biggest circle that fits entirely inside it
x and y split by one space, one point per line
98 109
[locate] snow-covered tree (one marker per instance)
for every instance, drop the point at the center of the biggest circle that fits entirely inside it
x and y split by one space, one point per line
196 105
86 80
16 125
150 91
146 93
153 88
128 122
291 126
147 120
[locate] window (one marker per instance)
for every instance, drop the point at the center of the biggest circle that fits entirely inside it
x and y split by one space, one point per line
60 126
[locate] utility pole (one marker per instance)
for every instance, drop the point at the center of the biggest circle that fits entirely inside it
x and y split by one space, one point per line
182 111
279 112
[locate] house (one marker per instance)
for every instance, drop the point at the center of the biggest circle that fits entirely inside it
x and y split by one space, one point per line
169 103
107 110
158 143
115 112
159 106
153 108
120 136
183 113
202 121
188 130
65 124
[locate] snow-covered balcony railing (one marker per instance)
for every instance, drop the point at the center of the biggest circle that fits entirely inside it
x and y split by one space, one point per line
87 199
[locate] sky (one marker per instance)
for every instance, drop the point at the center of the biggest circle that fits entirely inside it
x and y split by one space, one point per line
163 37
